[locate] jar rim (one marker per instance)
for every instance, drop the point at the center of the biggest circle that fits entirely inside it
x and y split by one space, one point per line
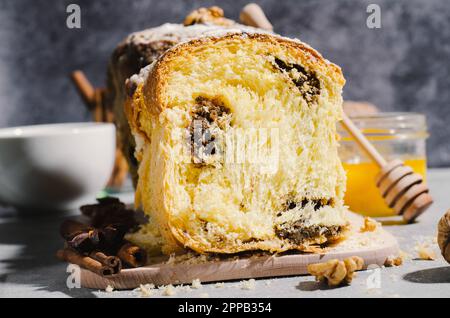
391 115
400 124
392 120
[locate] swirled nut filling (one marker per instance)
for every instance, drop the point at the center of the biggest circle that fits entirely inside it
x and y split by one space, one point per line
291 204
298 231
307 82
208 116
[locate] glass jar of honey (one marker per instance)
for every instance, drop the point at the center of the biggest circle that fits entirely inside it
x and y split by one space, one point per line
396 136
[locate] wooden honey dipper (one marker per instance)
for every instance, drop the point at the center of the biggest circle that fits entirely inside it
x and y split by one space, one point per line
253 15
403 190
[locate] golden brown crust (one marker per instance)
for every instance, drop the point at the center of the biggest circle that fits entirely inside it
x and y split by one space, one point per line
153 88
132 111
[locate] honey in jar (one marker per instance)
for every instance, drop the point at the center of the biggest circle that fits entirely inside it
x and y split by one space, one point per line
396 136
362 194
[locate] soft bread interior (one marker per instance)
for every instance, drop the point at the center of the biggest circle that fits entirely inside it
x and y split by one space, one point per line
246 93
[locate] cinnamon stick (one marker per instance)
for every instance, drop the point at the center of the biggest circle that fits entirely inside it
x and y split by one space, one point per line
120 171
84 87
108 260
97 107
132 255
71 256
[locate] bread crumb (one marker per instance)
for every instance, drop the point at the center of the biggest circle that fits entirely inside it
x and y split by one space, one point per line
145 290
184 288
196 284
424 252
393 261
204 295
268 282
248 284
168 290
109 289
370 225
220 285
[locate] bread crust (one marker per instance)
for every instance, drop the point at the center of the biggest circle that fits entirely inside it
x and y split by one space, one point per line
155 82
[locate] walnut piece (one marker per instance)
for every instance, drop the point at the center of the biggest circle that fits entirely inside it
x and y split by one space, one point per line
336 272
212 15
369 225
443 237
393 261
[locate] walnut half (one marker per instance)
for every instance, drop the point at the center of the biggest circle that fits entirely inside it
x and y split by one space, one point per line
444 236
212 15
336 272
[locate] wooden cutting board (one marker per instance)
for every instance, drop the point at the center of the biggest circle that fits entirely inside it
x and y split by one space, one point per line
373 247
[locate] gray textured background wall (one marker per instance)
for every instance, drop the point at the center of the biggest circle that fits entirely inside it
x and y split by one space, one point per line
402 66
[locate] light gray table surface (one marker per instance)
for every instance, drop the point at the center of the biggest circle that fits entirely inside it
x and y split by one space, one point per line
28 267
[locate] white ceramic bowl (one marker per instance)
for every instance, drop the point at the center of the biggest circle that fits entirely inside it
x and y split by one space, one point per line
56 166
